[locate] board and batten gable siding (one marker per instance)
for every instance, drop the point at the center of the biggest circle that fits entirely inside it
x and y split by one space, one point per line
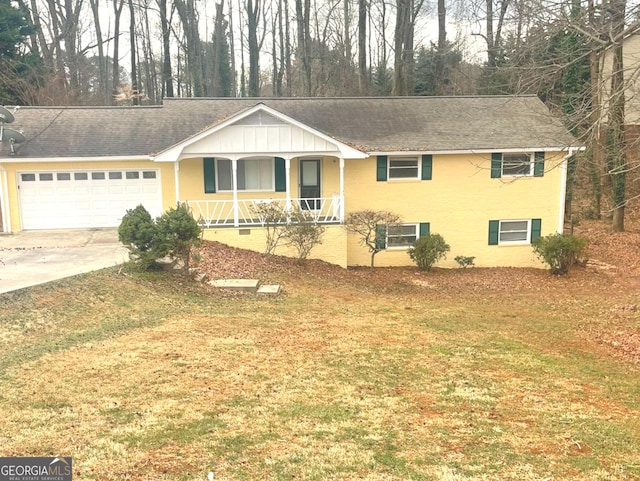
246 139
166 171
458 203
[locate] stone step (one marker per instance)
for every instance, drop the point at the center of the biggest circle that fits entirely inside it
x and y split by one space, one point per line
247 285
269 289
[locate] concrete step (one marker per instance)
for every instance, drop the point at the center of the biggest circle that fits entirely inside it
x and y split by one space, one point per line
247 285
272 289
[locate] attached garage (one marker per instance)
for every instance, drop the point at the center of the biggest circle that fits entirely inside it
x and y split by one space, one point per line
85 198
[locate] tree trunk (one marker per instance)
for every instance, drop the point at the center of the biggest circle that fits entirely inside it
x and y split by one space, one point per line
442 45
616 148
595 152
167 78
135 94
118 5
103 82
363 86
304 42
253 13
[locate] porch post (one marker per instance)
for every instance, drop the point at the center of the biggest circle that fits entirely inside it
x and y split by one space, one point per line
176 179
287 177
234 179
341 190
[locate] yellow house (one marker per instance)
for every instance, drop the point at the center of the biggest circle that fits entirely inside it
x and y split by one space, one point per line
487 173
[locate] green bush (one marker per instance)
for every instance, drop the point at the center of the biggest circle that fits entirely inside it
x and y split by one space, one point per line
178 233
174 233
464 261
559 251
428 250
138 232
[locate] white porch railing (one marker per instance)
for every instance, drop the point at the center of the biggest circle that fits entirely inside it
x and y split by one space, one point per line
249 212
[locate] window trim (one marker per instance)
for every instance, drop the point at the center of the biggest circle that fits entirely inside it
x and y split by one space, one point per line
272 163
415 225
514 242
416 157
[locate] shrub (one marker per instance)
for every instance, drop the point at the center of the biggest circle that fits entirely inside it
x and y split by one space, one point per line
464 261
138 232
428 250
272 218
559 251
174 233
178 233
302 233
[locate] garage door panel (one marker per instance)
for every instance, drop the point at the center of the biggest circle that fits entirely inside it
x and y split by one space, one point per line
64 199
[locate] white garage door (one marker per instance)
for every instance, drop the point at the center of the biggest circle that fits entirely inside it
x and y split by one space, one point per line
85 198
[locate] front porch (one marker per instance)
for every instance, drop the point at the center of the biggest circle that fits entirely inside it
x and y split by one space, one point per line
263 211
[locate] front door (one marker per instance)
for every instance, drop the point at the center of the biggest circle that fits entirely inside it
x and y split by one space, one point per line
310 184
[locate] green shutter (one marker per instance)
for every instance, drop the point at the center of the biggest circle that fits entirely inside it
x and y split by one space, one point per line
381 175
280 175
496 165
425 229
209 168
538 164
494 230
381 237
536 229
427 167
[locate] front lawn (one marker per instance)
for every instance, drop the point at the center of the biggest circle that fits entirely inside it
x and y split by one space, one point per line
481 374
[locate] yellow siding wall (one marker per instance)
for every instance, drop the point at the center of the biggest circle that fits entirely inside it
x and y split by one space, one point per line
458 203
333 248
166 178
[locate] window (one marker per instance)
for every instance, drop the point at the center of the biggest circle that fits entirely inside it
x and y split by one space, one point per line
97 176
132 175
115 175
404 168
45 177
149 174
516 164
63 176
513 231
253 174
415 167
28 177
521 231
402 235
80 176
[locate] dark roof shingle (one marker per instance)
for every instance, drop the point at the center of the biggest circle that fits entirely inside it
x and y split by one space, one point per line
366 123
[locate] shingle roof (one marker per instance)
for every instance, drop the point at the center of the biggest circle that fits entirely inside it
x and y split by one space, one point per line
367 123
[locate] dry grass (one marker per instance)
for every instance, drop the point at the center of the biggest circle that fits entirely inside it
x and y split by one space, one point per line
481 374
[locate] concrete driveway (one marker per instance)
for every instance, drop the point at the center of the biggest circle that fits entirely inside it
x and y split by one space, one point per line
36 257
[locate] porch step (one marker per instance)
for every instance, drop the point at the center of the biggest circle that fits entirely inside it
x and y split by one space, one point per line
269 289
247 285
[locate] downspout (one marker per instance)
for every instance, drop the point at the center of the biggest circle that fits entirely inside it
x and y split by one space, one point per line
563 187
176 179
4 201
342 201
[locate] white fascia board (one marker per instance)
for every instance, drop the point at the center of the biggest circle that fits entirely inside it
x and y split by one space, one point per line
50 160
476 151
174 152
